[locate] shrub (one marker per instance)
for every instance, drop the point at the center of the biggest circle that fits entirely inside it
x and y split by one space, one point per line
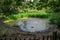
55 20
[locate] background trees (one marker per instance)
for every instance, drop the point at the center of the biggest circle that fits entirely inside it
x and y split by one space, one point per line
8 7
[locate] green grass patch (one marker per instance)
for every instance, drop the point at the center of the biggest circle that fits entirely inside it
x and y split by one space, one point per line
27 14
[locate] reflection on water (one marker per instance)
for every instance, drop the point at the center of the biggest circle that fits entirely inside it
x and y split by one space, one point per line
33 24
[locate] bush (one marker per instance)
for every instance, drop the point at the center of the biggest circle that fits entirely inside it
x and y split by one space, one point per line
55 20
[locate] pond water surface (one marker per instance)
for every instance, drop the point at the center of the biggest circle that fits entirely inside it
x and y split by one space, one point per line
33 24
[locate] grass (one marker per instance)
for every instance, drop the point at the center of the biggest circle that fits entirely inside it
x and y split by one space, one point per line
38 14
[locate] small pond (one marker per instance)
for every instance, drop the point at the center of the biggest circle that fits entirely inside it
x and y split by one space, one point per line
33 24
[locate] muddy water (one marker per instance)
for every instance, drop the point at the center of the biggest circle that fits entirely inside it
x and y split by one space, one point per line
33 24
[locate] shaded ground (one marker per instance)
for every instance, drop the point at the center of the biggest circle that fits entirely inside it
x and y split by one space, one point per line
6 29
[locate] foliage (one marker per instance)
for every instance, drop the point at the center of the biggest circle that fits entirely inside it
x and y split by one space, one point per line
39 14
55 19
8 7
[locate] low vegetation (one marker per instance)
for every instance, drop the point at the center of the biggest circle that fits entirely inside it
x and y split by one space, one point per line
55 19
28 14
